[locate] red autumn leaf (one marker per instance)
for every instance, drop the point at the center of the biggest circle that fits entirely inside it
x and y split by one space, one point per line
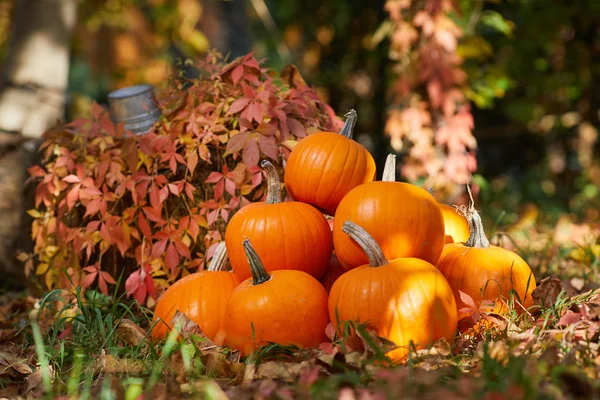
155 197
174 189
189 190
92 207
251 153
158 248
214 177
73 196
36 171
238 105
229 187
266 129
193 229
569 318
467 300
89 279
268 146
163 194
182 249
237 74
71 179
153 214
97 110
225 214
256 111
192 161
296 127
219 187
172 258
236 142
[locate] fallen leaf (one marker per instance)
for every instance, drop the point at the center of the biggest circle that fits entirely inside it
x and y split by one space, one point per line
547 292
190 330
286 371
569 318
130 332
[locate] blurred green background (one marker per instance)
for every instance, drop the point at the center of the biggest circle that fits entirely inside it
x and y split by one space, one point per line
529 69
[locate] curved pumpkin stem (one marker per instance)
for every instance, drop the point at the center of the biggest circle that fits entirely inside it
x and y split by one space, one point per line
389 171
273 182
219 260
477 236
259 274
348 128
366 242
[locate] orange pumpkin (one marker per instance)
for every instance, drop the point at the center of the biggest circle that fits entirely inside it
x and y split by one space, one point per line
201 296
404 219
485 272
455 224
404 300
289 235
324 166
334 271
287 307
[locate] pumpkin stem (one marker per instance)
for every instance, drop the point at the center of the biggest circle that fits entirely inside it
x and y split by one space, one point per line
389 171
366 242
259 274
348 128
477 236
273 182
219 260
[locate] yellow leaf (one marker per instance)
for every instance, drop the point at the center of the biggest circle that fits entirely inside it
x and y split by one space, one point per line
198 41
42 269
51 250
35 213
22 256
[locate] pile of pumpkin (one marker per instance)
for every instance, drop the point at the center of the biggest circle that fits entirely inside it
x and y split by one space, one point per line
394 258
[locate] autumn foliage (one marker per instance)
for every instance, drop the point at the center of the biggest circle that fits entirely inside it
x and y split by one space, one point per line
430 121
151 208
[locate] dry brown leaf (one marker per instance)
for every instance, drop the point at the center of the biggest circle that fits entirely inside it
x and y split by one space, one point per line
35 379
291 76
110 365
217 364
189 329
209 388
130 332
547 292
286 371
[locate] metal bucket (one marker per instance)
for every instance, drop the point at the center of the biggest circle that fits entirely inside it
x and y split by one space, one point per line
136 106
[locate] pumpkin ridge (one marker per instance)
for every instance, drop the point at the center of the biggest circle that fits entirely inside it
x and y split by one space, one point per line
325 167
341 178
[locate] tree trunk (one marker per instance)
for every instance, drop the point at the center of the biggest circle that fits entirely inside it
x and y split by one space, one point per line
32 99
37 69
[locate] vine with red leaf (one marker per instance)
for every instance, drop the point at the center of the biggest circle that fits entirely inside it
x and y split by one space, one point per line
430 120
153 207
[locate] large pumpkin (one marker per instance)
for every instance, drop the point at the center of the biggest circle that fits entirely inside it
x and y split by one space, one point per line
404 219
289 235
455 225
485 272
404 299
201 296
324 166
287 307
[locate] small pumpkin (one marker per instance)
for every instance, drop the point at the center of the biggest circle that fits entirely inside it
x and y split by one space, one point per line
404 219
334 271
290 235
324 166
286 307
404 300
201 296
483 271
455 224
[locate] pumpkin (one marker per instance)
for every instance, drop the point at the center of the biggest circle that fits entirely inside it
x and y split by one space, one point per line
290 235
334 271
485 272
404 300
324 166
201 296
404 219
287 307
455 225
